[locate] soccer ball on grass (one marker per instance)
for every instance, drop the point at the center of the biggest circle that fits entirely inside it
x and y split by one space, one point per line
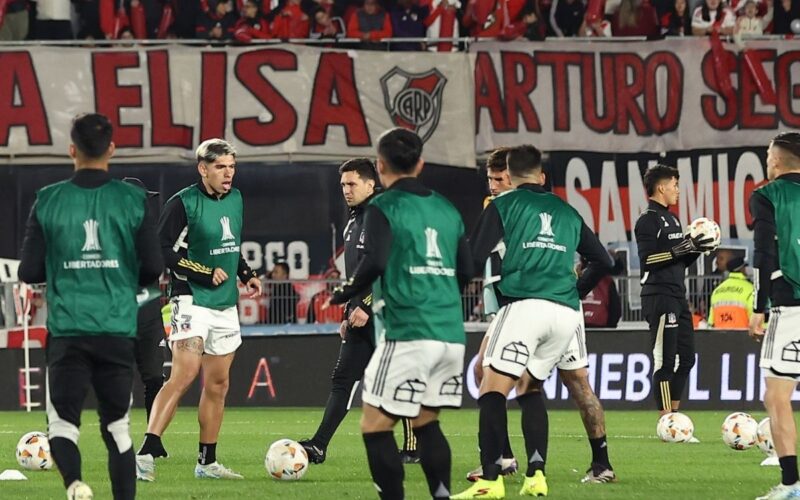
286 460
740 431
675 427
33 451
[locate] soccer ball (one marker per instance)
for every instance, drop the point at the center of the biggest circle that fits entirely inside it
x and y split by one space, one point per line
764 437
33 451
740 431
706 228
286 460
675 427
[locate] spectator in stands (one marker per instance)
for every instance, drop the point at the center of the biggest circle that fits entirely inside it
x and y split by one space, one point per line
785 11
14 24
530 26
750 23
252 25
53 20
710 14
326 26
283 298
370 23
409 20
602 307
217 23
635 18
732 300
492 18
566 17
291 21
442 23
88 25
319 311
677 21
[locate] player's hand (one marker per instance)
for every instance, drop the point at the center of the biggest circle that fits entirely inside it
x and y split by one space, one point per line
254 285
358 318
343 329
756 329
218 277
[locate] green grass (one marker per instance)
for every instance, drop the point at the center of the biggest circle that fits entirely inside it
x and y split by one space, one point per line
647 468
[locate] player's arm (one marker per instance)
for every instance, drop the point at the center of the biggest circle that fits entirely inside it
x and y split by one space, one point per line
651 257
764 254
244 271
148 248
600 263
32 267
485 237
377 246
172 234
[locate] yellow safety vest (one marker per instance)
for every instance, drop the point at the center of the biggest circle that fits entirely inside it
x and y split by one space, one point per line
732 303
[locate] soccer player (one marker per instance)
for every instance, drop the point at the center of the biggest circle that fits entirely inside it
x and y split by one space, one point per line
200 231
358 182
93 240
416 249
664 255
572 368
776 264
149 324
539 234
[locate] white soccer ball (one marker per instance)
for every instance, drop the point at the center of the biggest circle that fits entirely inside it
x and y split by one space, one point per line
286 460
706 228
33 451
740 431
764 437
675 427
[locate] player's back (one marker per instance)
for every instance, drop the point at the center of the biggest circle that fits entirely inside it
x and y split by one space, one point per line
541 236
419 286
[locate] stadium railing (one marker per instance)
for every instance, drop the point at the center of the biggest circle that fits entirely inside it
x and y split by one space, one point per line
299 306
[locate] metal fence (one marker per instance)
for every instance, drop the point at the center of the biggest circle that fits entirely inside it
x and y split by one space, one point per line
306 302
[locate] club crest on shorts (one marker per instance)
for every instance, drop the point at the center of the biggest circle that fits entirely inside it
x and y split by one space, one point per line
671 318
414 100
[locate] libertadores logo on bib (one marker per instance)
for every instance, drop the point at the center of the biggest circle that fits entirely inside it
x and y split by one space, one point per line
226 229
414 100
91 243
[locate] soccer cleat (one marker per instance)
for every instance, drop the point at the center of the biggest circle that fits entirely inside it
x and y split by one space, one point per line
599 474
145 468
782 492
535 486
483 489
316 454
215 471
771 461
409 456
509 467
79 490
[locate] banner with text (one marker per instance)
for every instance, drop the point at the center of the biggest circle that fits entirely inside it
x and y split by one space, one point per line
672 95
290 100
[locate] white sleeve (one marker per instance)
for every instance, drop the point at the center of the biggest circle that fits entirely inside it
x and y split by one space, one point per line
697 19
553 23
728 18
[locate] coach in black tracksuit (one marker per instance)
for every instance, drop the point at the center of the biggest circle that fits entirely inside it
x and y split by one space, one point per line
664 254
358 180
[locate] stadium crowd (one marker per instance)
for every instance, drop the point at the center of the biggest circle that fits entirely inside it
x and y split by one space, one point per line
242 21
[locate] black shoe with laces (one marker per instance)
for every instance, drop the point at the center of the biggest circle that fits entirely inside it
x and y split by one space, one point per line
316 453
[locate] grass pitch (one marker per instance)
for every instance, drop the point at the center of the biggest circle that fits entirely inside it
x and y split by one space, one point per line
647 468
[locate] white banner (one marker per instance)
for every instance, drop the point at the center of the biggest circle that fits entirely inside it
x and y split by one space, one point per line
289 101
627 97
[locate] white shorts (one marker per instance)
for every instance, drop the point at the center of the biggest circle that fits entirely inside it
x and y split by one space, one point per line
780 349
534 334
219 329
403 375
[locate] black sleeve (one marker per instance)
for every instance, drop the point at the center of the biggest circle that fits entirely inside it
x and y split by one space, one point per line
600 262
171 229
485 237
464 266
151 262
764 254
646 233
614 306
377 246
32 268
244 272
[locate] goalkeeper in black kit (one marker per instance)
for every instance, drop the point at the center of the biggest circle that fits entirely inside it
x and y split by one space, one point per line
664 254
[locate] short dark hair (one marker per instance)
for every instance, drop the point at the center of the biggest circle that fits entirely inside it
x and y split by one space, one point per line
497 159
362 166
91 134
400 149
656 174
524 160
789 142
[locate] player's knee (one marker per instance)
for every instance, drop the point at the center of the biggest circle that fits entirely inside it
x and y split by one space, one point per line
217 388
119 432
59 428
